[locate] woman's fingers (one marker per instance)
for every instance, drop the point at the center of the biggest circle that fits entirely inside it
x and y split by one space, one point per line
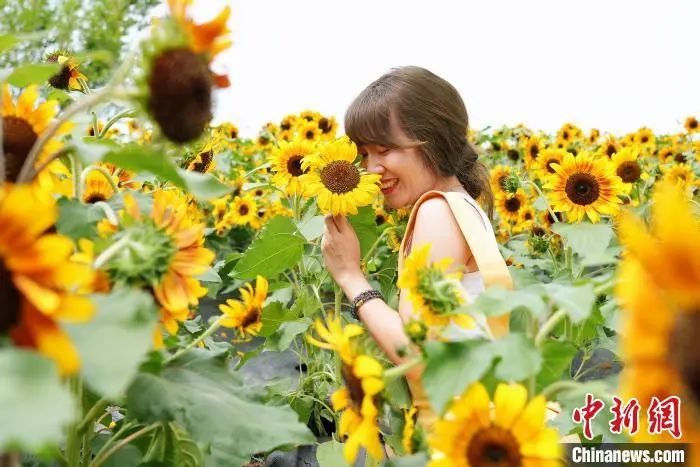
331 225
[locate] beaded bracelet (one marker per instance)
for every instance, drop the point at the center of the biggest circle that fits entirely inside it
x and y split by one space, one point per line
363 298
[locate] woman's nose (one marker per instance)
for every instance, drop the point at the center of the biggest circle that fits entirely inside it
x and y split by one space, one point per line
372 165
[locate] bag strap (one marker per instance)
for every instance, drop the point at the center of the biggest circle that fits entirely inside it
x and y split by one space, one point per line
481 242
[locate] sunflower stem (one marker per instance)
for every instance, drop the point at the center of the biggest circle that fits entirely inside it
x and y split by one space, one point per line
546 201
74 439
75 171
103 457
548 326
550 391
56 155
112 250
124 113
211 330
402 369
92 414
105 173
109 212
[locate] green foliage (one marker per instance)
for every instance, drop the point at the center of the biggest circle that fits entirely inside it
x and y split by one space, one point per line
216 408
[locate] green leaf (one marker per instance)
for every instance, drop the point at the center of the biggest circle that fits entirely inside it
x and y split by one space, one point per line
34 404
91 149
277 248
312 228
216 408
273 316
330 454
365 226
210 275
519 357
497 301
416 460
146 159
577 300
584 238
202 186
7 41
556 359
58 95
171 446
33 73
452 366
113 344
286 333
77 220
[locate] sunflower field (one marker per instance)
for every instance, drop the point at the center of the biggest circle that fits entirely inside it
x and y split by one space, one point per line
164 301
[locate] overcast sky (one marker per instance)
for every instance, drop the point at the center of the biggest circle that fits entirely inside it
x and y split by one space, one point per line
614 64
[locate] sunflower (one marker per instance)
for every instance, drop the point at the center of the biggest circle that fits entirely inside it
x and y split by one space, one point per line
286 160
682 174
526 219
569 133
22 123
583 185
512 433
204 161
434 293
245 315
328 127
510 206
37 278
164 252
97 187
309 116
593 136
288 123
243 210
664 313
309 131
531 149
691 125
380 216
645 137
358 400
336 337
397 221
548 157
499 175
68 77
626 165
609 147
339 185
409 430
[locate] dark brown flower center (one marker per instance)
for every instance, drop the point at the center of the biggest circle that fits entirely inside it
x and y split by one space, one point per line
534 151
679 157
513 155
324 125
645 139
354 385
309 134
94 197
61 79
582 188
18 139
204 162
380 219
512 204
234 133
252 317
629 171
285 125
10 300
693 124
340 177
180 87
550 169
538 231
294 165
527 216
566 135
243 209
493 447
496 146
610 150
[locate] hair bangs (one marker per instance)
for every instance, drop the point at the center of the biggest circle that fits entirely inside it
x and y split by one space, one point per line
368 120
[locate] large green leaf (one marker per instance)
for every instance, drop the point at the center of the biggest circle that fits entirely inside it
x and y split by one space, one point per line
273 316
146 159
170 446
556 360
285 334
216 408
416 460
34 404
577 300
7 41
497 301
519 358
365 226
202 186
451 367
330 454
312 228
276 249
114 343
584 238
34 73
77 220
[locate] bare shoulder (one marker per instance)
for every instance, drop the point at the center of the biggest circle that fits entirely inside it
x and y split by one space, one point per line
435 224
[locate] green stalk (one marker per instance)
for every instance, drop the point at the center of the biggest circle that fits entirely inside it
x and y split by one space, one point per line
112 250
401 370
105 173
549 325
74 440
103 457
113 120
211 330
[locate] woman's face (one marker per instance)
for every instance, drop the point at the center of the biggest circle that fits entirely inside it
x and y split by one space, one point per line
405 176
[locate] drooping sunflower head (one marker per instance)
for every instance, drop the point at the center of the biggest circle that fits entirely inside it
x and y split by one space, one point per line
98 188
512 434
68 77
286 160
340 185
245 315
585 185
499 175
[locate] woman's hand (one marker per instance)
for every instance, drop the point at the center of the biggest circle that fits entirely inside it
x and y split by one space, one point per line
341 250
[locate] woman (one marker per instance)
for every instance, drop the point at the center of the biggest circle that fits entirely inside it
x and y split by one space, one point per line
411 128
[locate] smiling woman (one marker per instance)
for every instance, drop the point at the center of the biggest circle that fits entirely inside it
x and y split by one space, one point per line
411 128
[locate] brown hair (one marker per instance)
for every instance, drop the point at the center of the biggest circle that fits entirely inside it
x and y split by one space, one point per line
431 112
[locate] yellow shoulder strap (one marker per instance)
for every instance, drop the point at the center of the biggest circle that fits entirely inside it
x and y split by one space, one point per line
482 244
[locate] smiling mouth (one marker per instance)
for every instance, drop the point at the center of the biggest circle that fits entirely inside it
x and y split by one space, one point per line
390 184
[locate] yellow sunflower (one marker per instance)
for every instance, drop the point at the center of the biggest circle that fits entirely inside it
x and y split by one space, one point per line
339 185
664 313
409 430
691 125
336 337
286 160
37 278
569 133
626 165
512 433
358 400
682 174
309 131
499 175
68 77
609 147
97 188
23 122
245 315
328 127
204 161
548 157
645 137
243 210
583 185
531 149
421 280
309 116
510 206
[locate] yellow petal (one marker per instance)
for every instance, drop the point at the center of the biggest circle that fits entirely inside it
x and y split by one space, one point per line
510 400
